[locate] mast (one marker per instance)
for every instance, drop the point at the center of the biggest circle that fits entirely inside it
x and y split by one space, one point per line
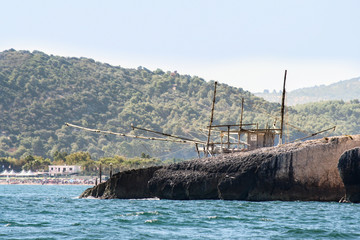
241 121
282 110
211 121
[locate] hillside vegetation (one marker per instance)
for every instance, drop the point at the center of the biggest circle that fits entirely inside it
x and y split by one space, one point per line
40 92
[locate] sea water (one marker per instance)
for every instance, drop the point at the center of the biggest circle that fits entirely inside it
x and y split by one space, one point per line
55 212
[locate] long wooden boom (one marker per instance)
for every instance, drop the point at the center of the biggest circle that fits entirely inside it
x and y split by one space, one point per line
133 136
166 134
314 134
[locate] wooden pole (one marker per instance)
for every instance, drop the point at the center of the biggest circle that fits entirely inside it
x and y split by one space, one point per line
282 110
111 170
100 172
232 125
211 120
221 139
228 135
241 115
241 121
197 150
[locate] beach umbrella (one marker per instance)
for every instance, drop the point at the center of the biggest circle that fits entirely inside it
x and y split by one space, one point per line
22 173
12 173
30 173
4 173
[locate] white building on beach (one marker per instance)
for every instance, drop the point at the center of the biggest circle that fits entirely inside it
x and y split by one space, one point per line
64 169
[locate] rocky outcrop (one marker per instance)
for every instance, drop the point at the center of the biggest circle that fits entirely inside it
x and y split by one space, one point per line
298 171
349 169
128 184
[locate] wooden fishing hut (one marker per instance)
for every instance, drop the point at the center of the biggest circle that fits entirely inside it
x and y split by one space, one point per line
248 135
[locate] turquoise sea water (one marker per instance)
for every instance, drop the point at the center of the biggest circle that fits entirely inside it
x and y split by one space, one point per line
54 212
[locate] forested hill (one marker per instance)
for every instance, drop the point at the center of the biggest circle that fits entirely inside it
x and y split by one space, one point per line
40 92
343 90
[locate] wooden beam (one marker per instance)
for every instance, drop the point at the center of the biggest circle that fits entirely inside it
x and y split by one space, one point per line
241 120
133 136
282 110
232 125
100 176
197 150
314 134
211 120
164 134
228 136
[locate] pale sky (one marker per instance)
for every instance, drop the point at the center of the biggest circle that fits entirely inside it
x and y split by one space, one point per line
245 44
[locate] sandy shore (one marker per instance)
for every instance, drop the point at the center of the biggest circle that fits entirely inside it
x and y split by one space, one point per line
48 181
19 183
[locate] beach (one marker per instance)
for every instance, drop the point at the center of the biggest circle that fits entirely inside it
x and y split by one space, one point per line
49 181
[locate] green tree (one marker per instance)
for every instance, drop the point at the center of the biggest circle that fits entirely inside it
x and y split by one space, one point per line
35 163
59 156
78 157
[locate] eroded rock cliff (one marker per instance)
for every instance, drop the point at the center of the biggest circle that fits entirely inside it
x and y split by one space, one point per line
298 171
128 184
349 169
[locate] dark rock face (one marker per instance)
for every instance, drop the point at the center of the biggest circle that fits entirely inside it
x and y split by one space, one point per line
300 171
261 176
349 169
222 177
128 184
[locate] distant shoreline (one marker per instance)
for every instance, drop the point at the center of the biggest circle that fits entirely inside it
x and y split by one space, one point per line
53 184
49 181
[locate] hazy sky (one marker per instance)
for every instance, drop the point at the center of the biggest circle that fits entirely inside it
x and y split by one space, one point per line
245 44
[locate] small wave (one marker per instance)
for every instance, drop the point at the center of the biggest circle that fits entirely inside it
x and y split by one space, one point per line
209 217
44 224
147 213
89 197
139 214
146 199
151 221
266 220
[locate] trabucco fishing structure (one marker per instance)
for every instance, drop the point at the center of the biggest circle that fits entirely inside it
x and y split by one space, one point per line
248 135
